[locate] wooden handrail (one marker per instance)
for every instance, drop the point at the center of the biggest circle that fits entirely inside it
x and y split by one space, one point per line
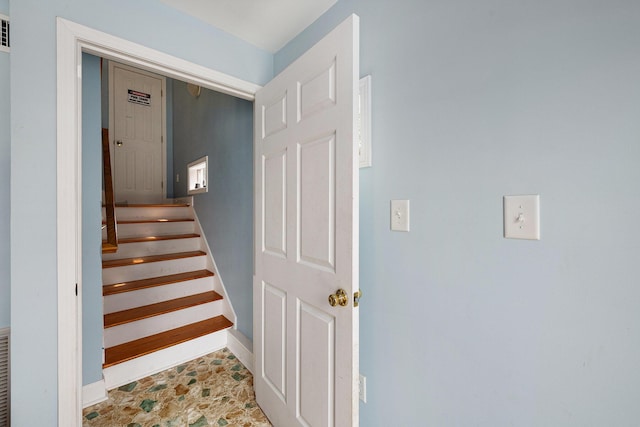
111 245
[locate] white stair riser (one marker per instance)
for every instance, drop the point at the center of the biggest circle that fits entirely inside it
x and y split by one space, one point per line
140 367
127 300
123 214
152 229
152 269
158 247
154 325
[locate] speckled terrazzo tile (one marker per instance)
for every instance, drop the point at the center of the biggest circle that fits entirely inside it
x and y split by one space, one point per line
214 390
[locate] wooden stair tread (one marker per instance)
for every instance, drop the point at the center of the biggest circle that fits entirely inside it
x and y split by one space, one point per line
150 258
108 248
156 238
135 285
152 205
146 311
152 221
143 346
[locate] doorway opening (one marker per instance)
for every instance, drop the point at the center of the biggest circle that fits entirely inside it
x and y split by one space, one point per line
73 39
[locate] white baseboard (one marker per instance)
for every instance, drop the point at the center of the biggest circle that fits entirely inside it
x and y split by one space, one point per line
140 367
94 393
241 347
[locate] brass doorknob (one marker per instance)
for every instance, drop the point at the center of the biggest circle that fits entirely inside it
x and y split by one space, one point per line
339 298
119 143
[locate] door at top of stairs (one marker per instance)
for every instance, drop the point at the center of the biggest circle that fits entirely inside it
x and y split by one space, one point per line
137 129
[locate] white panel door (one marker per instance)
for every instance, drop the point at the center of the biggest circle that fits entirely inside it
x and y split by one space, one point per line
137 135
306 224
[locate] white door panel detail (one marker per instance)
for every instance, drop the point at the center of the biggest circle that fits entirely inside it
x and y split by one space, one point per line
316 337
316 210
318 93
275 339
275 116
275 203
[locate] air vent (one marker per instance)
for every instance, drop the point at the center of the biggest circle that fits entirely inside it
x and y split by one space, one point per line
5 43
4 377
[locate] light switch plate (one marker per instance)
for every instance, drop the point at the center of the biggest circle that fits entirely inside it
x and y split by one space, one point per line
400 215
522 217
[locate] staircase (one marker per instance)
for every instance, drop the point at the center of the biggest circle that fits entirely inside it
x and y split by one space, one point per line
164 303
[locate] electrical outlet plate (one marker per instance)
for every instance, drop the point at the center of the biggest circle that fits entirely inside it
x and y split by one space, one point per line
522 217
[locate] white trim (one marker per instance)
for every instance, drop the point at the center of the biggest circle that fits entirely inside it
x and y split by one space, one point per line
205 189
94 393
228 310
163 115
144 366
241 347
69 176
72 40
125 52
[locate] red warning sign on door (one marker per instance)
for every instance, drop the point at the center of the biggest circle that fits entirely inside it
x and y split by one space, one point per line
139 97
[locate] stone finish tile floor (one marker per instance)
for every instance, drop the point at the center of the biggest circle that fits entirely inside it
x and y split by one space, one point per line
214 390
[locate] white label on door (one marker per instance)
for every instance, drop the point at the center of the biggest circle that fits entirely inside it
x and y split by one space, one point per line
139 97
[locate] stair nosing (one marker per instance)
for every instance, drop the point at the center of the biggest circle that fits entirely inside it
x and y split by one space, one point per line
158 238
155 281
224 324
120 262
152 221
152 205
163 307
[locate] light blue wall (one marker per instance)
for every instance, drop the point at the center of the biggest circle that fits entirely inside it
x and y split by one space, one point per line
33 160
221 127
92 319
169 138
5 176
473 100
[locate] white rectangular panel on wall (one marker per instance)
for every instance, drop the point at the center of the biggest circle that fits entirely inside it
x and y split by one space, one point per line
364 123
316 366
274 324
318 93
316 210
275 203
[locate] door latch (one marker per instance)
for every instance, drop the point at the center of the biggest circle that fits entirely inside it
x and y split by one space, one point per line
356 298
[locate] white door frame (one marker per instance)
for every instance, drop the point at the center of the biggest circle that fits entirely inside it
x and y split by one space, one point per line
72 40
163 116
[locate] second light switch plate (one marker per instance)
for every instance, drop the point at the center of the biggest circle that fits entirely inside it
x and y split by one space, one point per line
522 217
400 215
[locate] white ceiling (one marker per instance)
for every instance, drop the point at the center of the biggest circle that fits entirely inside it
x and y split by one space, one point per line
268 24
